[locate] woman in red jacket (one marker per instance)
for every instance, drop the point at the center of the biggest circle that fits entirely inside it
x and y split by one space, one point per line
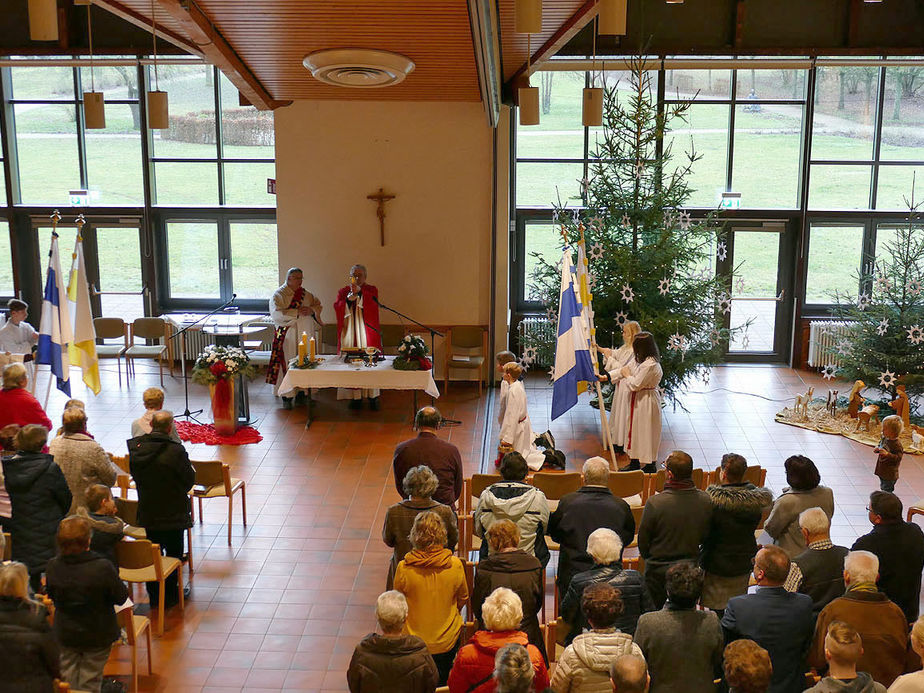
473 670
17 405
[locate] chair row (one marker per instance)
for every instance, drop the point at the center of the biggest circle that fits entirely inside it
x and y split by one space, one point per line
148 329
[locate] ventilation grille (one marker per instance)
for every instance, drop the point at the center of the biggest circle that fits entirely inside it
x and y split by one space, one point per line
358 68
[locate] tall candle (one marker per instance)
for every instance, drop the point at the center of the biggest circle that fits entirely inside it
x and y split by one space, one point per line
311 349
302 349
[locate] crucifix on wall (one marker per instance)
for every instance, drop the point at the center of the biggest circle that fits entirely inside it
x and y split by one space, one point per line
381 197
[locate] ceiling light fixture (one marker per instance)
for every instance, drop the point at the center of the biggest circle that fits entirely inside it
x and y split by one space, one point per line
94 105
592 103
360 68
527 16
612 17
43 20
158 105
674 2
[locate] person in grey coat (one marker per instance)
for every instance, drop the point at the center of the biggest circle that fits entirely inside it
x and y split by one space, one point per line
679 627
804 491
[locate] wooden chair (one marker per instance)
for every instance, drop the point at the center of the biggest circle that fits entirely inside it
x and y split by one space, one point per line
466 348
656 481
111 328
468 567
213 480
473 486
916 509
628 485
637 511
255 341
7 546
755 474
392 335
148 328
329 339
124 480
135 627
555 485
141 561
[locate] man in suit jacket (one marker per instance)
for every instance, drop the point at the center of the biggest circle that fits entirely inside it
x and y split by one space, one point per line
779 621
580 513
430 451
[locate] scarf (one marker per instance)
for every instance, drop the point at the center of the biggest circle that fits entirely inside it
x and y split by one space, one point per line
277 362
674 485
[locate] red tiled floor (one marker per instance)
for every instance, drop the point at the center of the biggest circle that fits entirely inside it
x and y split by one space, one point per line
282 607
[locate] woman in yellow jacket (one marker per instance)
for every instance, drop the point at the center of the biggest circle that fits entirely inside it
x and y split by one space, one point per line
433 582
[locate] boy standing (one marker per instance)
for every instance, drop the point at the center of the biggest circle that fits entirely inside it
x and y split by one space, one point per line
108 529
17 336
890 453
843 648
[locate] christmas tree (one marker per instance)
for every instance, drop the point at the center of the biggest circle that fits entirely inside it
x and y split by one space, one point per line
885 347
649 260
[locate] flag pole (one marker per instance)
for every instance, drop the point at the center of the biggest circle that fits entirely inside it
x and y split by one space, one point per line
51 376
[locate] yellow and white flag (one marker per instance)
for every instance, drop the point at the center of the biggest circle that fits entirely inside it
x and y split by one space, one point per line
82 350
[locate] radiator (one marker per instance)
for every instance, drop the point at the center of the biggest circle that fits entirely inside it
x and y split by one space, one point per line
539 330
197 340
824 336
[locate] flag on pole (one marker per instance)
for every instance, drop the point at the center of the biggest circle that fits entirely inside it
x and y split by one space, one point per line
572 351
55 327
82 350
585 298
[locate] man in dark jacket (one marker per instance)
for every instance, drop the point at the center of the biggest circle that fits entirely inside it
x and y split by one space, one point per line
605 548
781 622
439 455
674 524
163 477
738 507
392 662
40 498
84 587
900 548
578 514
819 570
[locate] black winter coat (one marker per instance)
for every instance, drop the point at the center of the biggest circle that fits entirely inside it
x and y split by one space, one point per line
391 665
520 572
41 499
163 476
631 585
84 588
729 546
29 658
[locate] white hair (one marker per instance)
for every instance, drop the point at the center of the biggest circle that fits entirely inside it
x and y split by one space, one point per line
502 610
596 471
814 521
391 610
604 546
861 566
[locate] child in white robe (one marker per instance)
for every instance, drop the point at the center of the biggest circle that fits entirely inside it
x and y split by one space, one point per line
643 379
616 360
502 358
516 429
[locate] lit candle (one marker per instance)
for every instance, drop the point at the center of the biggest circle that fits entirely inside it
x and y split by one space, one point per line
311 349
302 349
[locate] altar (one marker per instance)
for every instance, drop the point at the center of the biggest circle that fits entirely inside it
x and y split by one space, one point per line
333 371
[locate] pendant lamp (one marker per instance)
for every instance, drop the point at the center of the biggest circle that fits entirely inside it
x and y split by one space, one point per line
592 107
43 20
528 97
528 16
612 17
94 105
158 110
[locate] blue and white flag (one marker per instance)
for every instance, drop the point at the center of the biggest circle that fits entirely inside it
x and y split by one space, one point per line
55 327
572 352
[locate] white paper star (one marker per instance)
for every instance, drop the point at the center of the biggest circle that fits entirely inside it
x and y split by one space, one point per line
843 348
685 221
552 373
828 371
863 301
595 222
664 286
596 251
914 287
725 304
591 280
627 294
529 354
887 378
721 251
639 168
675 342
883 327
746 340
883 283
625 221
706 376
739 285
715 337
668 218
916 334
621 318
585 185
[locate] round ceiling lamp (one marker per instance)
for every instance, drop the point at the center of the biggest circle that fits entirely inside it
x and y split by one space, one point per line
359 68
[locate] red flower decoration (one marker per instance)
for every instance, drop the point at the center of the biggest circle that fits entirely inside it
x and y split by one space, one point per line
218 368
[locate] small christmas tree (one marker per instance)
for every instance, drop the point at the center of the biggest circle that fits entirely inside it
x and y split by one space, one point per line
886 343
649 261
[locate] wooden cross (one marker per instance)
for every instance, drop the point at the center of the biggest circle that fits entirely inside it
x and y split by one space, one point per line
381 197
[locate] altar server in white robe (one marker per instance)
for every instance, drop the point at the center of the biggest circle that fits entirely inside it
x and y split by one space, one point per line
293 310
516 429
643 379
502 359
616 360
17 337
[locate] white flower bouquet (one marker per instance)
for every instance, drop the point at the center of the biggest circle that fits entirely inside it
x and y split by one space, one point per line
221 363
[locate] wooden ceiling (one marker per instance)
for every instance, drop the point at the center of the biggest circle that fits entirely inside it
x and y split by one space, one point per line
264 41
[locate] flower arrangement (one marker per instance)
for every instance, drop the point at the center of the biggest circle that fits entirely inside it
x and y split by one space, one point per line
217 363
412 354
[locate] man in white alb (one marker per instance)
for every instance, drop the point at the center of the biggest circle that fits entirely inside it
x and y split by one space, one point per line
357 309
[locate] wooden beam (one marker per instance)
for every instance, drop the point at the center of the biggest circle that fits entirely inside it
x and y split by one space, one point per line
584 15
132 17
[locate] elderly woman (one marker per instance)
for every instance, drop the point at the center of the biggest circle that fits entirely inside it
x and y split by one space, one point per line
804 492
585 664
153 399
82 459
17 405
29 657
433 581
393 662
420 483
40 499
509 566
605 547
513 670
473 670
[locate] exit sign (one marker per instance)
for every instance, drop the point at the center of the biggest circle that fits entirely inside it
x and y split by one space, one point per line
78 198
270 186
730 200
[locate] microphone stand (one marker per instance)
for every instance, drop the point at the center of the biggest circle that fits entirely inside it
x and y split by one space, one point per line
433 334
187 414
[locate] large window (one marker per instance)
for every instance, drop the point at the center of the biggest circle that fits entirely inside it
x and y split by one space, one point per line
6 265
834 261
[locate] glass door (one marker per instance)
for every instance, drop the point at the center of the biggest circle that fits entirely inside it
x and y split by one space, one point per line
113 255
761 297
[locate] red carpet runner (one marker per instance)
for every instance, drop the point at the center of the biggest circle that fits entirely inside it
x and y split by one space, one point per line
205 433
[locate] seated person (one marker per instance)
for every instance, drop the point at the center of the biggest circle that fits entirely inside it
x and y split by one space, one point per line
747 667
843 648
29 657
393 662
153 399
84 587
108 530
513 670
585 663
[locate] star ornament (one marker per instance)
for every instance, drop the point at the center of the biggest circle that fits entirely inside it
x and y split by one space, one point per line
739 285
828 371
596 251
915 334
843 348
664 286
627 294
913 287
883 283
639 168
863 301
887 378
552 373
715 337
883 327
685 221
725 304
595 222
625 221
621 318
721 251
529 355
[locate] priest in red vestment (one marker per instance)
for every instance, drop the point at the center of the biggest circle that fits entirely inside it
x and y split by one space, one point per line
357 311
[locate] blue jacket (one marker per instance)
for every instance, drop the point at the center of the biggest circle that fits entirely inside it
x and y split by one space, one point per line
782 623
